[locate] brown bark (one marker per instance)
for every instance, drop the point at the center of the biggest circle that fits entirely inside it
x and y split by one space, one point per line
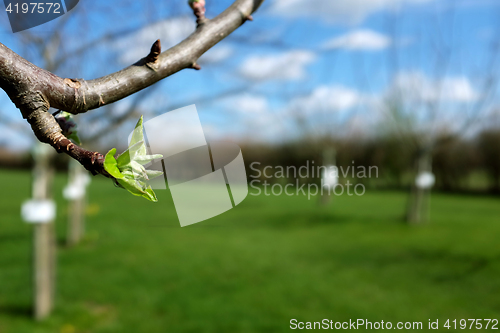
34 90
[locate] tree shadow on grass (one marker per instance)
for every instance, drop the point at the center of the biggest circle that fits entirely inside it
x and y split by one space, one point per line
16 310
460 266
440 266
309 219
14 237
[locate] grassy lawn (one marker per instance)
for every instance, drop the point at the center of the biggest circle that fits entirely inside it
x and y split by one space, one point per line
255 267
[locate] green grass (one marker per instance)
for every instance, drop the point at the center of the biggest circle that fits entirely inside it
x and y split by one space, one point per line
255 267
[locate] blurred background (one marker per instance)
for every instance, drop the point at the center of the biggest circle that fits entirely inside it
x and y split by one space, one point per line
409 88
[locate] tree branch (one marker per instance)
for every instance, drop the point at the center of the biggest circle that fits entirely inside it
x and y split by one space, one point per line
34 90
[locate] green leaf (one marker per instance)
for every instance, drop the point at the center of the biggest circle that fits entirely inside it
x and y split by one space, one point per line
69 127
74 137
138 134
137 149
150 195
134 152
110 164
153 173
137 146
138 170
128 169
123 160
138 189
130 185
147 158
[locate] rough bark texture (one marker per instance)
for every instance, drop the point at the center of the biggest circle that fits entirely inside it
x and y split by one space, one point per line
34 90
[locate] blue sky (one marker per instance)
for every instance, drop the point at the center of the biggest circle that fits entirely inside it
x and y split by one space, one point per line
329 64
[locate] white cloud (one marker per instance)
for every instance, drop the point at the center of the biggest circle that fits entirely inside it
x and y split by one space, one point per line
458 89
327 98
249 117
216 54
249 104
138 44
359 40
284 66
417 86
337 11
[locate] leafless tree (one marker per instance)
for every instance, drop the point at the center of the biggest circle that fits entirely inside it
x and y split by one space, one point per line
422 119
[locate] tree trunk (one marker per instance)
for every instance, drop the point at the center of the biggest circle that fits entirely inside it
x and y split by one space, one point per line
328 160
76 207
418 206
44 243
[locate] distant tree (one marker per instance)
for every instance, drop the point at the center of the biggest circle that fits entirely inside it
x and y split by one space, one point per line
489 148
425 111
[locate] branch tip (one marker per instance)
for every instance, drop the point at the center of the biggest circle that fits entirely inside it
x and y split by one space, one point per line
155 52
198 7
